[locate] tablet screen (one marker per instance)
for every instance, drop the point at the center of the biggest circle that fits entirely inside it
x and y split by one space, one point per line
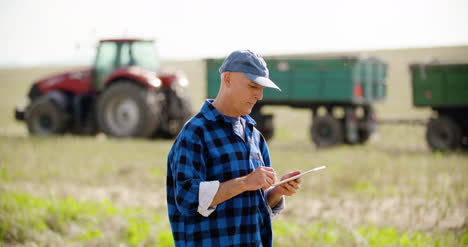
298 176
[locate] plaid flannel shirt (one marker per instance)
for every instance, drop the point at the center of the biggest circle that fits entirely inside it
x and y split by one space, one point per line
206 150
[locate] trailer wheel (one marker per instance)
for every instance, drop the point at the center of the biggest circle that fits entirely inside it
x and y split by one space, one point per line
363 135
266 126
264 122
126 109
45 117
464 143
327 131
443 134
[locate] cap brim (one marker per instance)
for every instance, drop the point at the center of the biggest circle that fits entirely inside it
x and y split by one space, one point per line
262 81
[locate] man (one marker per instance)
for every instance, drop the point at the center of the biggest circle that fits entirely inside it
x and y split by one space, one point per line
218 171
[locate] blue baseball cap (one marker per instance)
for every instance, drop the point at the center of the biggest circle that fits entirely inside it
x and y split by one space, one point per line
251 64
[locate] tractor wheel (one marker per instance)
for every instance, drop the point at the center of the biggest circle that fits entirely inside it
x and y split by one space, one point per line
327 131
178 112
126 109
45 117
443 134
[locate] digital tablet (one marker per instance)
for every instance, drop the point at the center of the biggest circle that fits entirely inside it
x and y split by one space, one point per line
298 176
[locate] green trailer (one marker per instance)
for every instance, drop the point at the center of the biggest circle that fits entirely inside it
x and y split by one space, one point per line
339 91
443 86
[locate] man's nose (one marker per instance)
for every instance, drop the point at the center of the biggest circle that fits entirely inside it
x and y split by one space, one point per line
259 94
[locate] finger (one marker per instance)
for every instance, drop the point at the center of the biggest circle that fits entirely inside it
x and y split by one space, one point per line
264 182
270 180
261 168
266 168
289 187
294 184
271 174
292 174
285 191
270 171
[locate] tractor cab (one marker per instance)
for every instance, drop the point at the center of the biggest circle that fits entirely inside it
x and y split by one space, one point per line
122 53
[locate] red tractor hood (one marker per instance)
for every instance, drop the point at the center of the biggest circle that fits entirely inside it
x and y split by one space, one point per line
77 81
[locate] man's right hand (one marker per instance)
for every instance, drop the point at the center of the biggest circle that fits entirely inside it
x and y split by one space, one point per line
262 177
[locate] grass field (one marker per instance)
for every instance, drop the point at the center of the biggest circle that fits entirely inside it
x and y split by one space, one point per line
98 191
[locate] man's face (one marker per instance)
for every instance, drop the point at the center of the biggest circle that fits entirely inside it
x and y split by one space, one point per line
244 93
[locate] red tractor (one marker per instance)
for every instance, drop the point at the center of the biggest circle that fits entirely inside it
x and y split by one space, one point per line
122 95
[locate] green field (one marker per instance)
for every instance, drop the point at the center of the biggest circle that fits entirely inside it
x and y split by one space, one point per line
99 191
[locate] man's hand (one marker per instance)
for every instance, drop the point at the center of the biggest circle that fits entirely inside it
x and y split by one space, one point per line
262 177
288 189
291 187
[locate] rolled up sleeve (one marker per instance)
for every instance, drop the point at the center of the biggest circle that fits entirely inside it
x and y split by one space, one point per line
206 195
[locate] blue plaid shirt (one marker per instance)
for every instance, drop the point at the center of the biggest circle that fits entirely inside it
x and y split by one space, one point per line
207 149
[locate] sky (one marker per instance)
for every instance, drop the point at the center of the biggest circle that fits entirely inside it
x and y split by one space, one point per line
54 32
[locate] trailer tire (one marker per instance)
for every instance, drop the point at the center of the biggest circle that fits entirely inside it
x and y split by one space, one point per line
327 131
464 143
266 126
46 117
126 109
443 134
363 135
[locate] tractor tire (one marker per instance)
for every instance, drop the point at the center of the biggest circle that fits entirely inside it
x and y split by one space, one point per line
127 110
443 134
327 131
178 112
44 117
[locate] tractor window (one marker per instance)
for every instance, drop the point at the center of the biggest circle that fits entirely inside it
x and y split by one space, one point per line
106 56
144 55
125 55
105 62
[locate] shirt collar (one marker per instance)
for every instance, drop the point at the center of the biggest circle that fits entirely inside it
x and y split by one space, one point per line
210 113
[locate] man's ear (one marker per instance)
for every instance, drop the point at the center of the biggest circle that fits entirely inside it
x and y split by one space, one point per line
227 79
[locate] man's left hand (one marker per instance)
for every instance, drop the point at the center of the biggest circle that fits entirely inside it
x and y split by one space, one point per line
291 187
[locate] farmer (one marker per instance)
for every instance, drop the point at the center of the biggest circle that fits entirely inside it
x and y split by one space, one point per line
219 171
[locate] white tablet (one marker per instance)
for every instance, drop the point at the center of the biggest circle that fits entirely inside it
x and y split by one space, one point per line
298 176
